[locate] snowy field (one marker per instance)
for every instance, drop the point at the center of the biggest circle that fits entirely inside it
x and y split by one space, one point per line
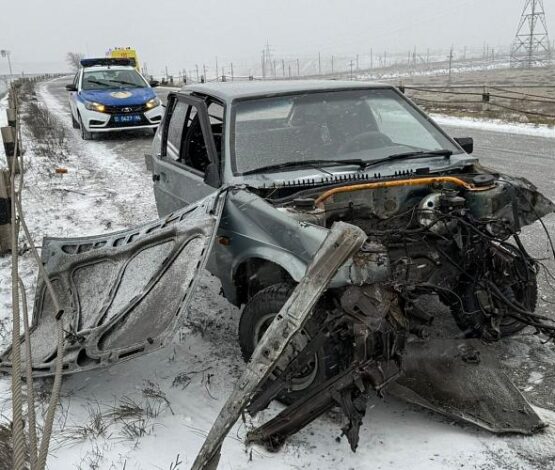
153 412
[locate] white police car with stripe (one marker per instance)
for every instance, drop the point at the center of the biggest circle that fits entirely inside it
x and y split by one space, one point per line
108 94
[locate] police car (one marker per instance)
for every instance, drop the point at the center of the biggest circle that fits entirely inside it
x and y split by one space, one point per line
109 94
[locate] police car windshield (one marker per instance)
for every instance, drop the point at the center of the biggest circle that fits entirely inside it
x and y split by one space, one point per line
110 78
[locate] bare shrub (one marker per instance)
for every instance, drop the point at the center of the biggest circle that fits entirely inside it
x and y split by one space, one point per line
73 59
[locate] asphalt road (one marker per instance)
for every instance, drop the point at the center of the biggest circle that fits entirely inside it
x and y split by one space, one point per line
528 362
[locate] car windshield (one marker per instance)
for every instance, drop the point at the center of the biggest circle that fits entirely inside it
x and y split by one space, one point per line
112 78
364 124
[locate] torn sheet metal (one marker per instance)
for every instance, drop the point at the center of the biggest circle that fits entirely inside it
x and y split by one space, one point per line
121 293
341 243
462 379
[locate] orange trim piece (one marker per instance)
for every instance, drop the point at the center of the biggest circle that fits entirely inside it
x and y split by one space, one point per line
404 182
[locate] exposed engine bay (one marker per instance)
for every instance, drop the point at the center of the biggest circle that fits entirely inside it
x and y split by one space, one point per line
456 238
461 243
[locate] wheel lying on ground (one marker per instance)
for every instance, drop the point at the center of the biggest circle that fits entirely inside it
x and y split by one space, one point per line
85 134
257 316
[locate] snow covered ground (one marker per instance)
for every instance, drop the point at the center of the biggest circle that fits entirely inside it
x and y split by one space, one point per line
3 122
495 125
146 413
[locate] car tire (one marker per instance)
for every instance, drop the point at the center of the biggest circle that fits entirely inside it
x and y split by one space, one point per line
509 326
255 319
85 134
468 312
74 122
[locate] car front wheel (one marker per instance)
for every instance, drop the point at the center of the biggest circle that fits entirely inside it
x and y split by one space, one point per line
74 122
85 134
257 316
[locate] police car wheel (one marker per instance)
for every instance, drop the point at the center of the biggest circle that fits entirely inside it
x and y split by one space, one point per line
85 134
74 122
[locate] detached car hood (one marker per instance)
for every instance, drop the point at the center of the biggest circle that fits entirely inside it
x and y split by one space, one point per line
121 97
121 293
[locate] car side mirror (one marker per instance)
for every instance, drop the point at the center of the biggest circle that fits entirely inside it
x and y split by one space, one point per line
154 83
212 176
71 87
466 143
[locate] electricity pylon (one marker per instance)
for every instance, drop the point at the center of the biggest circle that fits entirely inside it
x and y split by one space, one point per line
531 46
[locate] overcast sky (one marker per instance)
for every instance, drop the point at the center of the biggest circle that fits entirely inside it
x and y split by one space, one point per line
183 33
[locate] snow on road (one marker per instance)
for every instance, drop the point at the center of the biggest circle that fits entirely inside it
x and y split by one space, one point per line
146 413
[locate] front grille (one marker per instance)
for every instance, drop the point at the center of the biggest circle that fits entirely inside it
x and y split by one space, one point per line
125 109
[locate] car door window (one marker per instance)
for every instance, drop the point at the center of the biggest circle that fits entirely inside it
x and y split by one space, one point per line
186 144
216 116
175 129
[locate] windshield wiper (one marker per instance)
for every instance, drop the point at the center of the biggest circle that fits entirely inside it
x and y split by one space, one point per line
123 82
409 155
98 82
307 163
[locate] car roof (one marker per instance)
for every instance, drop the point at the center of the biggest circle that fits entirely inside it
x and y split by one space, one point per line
232 90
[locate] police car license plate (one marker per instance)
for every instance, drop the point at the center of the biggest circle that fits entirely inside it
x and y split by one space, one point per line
127 118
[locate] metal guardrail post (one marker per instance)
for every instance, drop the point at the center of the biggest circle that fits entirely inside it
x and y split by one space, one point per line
5 212
9 138
11 114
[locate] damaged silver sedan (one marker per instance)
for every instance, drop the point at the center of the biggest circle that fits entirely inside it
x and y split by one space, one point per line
328 211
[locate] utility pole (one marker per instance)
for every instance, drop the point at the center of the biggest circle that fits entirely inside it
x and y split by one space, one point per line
319 64
351 65
298 69
231 70
196 68
450 64
371 58
263 63
283 67
203 73
217 69
531 45
5 53
332 65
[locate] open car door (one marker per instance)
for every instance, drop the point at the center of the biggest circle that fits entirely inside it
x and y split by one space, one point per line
121 293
